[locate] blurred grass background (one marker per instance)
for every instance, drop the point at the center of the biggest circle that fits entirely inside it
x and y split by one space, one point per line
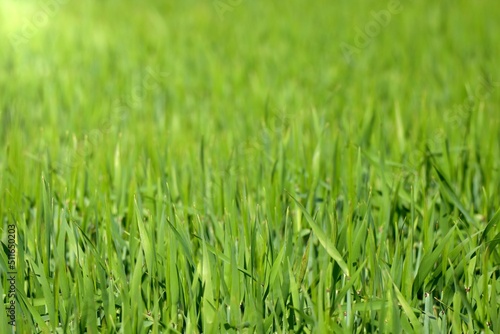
224 78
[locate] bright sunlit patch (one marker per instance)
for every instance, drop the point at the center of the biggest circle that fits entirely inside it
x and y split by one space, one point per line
16 14
21 21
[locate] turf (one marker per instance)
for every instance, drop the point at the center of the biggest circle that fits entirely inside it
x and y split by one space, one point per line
250 166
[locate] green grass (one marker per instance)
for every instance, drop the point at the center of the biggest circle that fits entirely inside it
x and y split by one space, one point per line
220 166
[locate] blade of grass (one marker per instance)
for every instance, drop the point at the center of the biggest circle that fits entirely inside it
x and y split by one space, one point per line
323 239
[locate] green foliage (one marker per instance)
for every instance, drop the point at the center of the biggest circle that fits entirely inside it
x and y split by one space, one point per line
206 167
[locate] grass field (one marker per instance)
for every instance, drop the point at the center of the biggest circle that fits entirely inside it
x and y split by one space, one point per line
250 166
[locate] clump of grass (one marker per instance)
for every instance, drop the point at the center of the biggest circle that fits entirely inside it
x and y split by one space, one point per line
263 186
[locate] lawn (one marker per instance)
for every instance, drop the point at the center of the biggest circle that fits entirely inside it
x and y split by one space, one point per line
237 166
